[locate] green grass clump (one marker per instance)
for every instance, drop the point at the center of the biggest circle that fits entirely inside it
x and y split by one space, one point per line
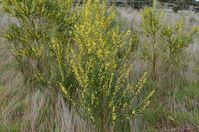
177 106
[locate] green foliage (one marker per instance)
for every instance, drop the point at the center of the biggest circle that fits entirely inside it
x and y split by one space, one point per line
151 24
164 43
107 98
41 37
174 41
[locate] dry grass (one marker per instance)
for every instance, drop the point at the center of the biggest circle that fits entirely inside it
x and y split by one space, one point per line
35 109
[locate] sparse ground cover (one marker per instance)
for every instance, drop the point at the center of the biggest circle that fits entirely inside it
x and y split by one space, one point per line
174 106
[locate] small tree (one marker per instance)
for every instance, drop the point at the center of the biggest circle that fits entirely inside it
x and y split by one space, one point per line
151 23
174 41
107 97
164 43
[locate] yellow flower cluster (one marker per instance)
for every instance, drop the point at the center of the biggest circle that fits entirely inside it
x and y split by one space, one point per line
100 72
